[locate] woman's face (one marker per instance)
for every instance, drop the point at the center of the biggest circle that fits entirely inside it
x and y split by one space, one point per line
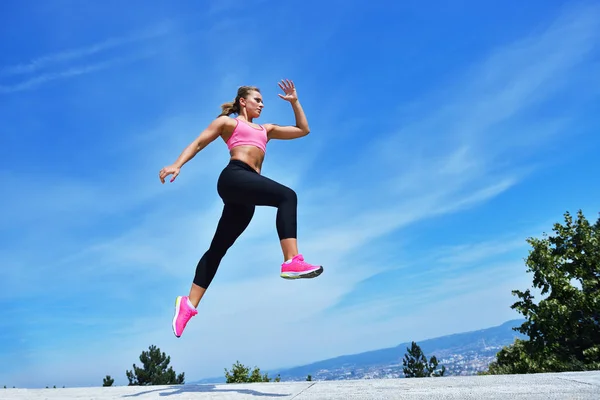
253 104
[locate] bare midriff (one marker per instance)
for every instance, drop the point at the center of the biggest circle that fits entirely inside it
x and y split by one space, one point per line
253 156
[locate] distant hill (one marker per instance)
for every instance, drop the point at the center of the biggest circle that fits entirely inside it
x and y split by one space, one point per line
461 353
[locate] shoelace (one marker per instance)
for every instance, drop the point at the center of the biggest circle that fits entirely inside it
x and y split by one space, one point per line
304 263
188 313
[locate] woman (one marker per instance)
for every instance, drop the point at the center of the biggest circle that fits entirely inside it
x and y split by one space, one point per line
242 187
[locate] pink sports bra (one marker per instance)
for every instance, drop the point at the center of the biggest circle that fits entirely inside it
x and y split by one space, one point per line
245 134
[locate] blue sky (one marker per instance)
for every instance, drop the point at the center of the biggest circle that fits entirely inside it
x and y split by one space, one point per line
442 136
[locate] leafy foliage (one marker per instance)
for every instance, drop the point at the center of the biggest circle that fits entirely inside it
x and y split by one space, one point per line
155 370
416 364
241 374
563 327
108 381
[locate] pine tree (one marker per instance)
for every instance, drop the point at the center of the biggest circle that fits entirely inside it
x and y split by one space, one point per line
241 374
416 364
108 381
155 370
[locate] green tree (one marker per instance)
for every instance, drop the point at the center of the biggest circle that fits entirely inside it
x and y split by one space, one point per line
241 374
108 381
155 370
563 328
309 378
416 365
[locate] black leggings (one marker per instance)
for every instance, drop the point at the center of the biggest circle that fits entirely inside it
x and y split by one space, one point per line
241 189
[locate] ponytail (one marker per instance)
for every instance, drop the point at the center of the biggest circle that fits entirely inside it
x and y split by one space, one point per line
233 107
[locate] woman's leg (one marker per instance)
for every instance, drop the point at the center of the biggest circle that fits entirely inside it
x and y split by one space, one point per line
289 247
234 220
240 183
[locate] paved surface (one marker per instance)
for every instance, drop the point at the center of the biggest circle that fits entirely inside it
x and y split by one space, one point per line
563 386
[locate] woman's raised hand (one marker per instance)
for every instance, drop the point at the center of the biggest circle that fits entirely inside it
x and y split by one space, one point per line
289 89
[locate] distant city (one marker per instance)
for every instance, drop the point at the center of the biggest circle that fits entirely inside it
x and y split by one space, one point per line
468 363
462 354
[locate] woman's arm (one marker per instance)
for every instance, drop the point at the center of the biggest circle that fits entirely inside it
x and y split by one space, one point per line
301 128
208 135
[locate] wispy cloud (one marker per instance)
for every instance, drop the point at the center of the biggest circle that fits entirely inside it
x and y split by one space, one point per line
82 60
490 107
79 53
72 72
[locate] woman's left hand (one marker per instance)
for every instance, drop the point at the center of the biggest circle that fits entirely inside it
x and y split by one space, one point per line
289 89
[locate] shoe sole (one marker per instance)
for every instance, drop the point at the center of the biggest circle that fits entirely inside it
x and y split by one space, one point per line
177 303
302 275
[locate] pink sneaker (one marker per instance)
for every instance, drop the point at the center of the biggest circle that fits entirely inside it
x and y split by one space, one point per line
183 313
298 268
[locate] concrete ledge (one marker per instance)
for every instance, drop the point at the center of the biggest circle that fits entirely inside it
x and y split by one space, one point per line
570 385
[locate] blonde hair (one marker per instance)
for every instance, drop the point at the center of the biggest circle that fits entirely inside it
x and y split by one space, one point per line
233 107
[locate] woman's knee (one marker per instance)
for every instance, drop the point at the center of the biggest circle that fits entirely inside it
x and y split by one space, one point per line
289 196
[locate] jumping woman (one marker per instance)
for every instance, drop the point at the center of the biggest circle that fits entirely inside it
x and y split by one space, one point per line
242 187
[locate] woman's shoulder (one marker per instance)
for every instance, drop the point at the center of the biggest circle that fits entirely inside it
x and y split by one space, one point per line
225 120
